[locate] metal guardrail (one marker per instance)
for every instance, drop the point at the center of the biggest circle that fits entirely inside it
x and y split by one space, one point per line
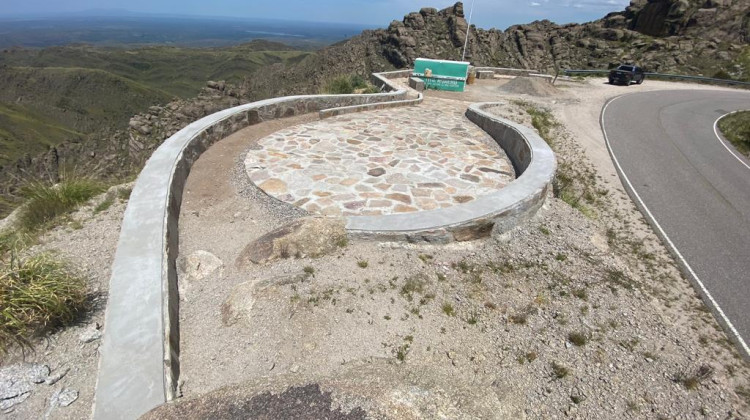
669 76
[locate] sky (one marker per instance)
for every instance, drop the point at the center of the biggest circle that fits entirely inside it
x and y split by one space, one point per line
375 13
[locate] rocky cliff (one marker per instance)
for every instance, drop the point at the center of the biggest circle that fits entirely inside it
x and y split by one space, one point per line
681 36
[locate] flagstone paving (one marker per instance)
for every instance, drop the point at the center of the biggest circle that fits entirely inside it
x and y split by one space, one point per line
381 162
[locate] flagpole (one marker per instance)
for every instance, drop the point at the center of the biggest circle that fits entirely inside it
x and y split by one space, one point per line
468 29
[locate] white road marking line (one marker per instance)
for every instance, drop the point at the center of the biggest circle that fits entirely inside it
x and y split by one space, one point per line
671 244
723 143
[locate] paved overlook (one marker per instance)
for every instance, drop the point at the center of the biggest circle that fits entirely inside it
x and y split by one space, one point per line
393 161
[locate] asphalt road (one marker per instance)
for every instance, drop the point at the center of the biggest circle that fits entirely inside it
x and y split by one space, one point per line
695 189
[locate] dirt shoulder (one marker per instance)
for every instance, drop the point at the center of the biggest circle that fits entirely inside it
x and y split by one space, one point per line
580 311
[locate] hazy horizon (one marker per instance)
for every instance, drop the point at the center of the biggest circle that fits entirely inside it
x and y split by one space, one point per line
488 14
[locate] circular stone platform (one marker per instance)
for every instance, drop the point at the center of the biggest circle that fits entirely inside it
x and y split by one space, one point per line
381 162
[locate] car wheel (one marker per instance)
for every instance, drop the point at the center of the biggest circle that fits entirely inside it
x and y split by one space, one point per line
628 81
611 82
640 81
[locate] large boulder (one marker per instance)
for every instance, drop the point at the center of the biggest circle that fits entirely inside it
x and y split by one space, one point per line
306 237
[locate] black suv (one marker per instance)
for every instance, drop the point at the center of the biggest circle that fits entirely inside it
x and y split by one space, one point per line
626 74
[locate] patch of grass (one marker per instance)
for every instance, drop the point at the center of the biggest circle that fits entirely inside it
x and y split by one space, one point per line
561 257
691 381
413 284
342 242
544 230
577 338
362 264
45 203
744 393
581 294
736 128
559 371
425 257
473 319
402 351
36 294
462 266
124 193
104 205
618 278
348 84
448 309
309 270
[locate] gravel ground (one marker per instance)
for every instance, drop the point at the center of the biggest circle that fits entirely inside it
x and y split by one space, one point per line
574 314
68 358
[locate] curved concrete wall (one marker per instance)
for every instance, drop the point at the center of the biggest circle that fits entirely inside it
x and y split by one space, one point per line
139 366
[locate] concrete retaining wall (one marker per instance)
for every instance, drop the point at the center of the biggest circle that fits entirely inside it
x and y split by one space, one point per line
499 211
139 364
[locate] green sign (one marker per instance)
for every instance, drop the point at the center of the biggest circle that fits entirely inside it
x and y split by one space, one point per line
442 74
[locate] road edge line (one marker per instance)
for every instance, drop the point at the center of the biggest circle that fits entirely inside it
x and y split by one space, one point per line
721 139
734 335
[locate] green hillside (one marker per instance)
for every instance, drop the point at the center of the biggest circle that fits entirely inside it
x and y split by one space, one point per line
179 71
55 94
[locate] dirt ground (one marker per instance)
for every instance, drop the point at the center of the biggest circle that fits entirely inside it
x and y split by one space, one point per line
579 312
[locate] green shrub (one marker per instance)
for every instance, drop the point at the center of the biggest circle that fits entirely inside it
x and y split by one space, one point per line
341 85
36 294
45 202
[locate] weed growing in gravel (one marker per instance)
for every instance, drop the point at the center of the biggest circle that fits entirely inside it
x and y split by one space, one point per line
544 230
692 381
618 278
559 371
561 257
362 264
577 338
342 242
45 203
462 266
36 294
448 309
309 271
441 277
425 258
124 193
744 393
104 205
473 319
581 294
528 357
413 284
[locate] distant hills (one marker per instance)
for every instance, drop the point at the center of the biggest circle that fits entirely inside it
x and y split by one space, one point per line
55 94
120 28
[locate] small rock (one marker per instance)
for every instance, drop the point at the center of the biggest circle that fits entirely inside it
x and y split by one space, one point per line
67 397
90 334
51 380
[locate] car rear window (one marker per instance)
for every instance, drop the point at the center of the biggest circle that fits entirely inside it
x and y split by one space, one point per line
625 68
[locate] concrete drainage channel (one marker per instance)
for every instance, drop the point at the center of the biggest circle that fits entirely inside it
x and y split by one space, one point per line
139 362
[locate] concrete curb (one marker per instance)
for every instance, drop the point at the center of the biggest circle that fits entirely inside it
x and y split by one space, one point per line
499 211
139 365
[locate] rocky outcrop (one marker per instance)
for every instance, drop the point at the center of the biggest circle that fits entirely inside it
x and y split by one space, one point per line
681 36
